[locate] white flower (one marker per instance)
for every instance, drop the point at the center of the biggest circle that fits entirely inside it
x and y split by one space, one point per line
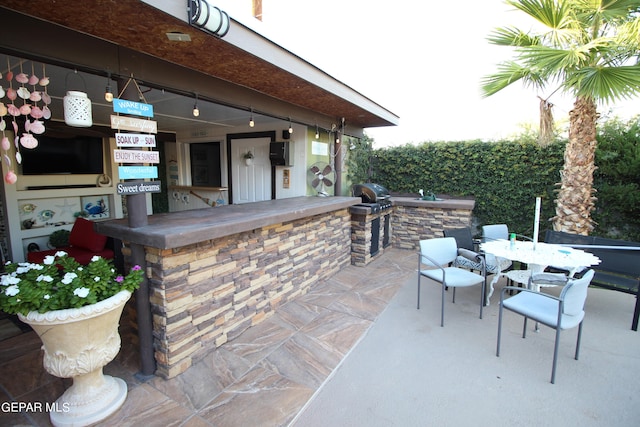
47 296
96 279
81 292
95 258
10 279
43 278
60 254
68 278
22 269
49 259
12 290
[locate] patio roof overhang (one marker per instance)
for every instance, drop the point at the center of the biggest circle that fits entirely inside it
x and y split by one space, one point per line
244 70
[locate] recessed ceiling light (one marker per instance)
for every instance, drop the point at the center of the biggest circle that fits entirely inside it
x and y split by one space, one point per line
178 37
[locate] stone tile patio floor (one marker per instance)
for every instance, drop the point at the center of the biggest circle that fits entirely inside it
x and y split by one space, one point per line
264 377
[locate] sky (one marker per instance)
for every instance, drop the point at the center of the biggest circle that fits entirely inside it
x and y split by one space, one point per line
421 60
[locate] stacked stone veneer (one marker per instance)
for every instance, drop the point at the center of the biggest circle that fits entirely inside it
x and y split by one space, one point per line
361 235
414 223
208 293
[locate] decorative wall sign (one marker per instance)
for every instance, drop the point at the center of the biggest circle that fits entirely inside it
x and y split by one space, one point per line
133 124
96 206
138 187
136 156
137 172
135 140
131 107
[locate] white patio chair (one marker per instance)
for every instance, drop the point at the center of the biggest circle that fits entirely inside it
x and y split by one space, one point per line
559 313
440 253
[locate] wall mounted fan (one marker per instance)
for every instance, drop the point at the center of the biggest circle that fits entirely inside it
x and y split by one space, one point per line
320 176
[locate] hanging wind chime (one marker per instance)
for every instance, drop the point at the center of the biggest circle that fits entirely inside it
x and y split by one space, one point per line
30 109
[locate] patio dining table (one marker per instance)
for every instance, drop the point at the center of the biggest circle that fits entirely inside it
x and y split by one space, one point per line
537 256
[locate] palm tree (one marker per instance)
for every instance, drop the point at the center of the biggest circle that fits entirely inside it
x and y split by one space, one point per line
589 49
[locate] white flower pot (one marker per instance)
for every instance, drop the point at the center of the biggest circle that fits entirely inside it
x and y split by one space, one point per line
78 343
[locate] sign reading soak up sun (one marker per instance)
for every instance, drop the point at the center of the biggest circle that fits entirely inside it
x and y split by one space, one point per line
131 107
135 140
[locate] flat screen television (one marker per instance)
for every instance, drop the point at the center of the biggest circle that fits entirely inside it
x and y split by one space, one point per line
77 154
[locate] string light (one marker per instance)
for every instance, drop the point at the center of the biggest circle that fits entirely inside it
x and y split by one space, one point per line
196 111
108 95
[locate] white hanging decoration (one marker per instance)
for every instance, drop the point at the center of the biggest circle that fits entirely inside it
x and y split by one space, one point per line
77 107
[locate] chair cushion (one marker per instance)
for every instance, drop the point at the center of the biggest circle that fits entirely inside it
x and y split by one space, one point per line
83 236
542 309
496 264
455 277
465 262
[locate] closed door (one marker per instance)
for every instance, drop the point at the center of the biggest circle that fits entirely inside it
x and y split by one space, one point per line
251 182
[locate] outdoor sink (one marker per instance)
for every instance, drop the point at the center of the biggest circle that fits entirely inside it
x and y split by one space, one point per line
430 199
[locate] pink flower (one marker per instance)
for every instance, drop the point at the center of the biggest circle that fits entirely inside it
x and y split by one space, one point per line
119 279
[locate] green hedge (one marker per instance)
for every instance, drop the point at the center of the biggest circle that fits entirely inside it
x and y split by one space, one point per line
503 177
617 180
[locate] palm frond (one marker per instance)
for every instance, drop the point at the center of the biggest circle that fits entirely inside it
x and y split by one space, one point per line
551 13
510 72
587 45
511 36
555 61
605 11
628 37
605 83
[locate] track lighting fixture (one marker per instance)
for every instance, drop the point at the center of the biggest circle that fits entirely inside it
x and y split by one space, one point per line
196 111
108 95
251 122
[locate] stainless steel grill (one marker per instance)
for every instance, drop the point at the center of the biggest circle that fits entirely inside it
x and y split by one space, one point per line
375 200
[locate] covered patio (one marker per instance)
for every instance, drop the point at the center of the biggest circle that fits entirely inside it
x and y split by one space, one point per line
355 351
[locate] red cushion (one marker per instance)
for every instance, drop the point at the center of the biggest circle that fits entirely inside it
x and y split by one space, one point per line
83 236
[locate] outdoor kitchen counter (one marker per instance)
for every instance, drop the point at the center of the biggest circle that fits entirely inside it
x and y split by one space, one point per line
414 219
215 272
176 229
466 204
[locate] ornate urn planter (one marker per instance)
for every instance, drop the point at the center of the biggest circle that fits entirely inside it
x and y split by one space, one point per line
78 343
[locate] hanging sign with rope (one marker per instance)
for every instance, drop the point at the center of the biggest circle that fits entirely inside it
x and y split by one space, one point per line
131 107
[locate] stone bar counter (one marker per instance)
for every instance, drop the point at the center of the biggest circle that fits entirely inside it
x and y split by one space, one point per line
415 219
215 272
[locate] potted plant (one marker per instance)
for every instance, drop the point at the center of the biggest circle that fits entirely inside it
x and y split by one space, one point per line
248 158
75 310
59 238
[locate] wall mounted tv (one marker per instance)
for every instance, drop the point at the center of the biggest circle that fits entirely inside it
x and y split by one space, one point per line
75 154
